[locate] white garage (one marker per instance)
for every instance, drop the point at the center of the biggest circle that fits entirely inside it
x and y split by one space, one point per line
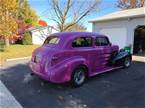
122 27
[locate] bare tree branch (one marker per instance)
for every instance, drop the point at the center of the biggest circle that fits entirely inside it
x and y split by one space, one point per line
67 13
81 16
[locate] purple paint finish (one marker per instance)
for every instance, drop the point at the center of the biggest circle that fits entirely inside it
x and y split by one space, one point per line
56 63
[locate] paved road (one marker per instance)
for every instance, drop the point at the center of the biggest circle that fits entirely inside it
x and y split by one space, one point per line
123 88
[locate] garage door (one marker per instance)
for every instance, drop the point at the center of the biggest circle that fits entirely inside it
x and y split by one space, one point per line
117 36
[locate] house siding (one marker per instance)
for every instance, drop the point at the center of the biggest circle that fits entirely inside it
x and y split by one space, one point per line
128 24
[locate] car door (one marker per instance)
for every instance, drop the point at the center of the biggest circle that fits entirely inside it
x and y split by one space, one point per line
83 46
103 52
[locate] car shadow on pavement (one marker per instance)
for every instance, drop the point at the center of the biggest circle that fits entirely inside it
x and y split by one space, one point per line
117 89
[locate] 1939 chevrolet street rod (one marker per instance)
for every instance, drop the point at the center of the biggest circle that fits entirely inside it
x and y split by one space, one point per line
74 56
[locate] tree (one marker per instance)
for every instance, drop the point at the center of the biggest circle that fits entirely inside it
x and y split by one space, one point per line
27 40
26 13
8 14
128 4
76 27
67 13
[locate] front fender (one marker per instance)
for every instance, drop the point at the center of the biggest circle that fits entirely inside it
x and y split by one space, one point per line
121 55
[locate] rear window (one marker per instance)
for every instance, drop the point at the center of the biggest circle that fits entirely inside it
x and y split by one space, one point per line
82 42
52 40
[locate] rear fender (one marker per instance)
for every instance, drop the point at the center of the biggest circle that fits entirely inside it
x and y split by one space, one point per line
66 67
73 62
77 61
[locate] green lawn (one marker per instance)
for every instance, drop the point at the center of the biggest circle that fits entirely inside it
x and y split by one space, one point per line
16 51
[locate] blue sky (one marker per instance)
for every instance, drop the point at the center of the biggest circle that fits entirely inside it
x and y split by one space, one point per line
41 6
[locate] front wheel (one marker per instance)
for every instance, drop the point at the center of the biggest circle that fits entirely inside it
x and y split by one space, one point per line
127 62
79 76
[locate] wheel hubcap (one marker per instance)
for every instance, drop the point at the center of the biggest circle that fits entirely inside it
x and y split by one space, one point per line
79 77
127 62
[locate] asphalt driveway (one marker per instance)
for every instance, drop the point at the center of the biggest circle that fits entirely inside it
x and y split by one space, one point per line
122 88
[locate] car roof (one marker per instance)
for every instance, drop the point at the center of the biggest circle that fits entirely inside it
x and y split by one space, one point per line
76 34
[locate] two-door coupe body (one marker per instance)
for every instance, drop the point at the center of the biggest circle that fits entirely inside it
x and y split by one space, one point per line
74 56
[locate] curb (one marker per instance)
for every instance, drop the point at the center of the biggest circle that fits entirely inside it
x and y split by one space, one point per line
7 100
21 58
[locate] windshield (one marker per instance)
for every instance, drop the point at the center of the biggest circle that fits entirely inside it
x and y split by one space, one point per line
52 40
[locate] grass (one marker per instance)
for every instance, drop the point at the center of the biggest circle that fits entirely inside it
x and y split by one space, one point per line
16 51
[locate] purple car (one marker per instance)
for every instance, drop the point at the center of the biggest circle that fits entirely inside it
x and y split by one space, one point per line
74 56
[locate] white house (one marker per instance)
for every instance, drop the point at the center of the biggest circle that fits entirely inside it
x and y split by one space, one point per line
124 28
39 34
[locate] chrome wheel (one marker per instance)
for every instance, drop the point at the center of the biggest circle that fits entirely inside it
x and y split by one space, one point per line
127 62
78 76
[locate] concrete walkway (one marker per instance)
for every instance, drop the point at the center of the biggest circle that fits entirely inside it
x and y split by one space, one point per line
138 58
7 100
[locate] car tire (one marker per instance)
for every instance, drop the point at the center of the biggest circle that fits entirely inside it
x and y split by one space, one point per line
79 76
126 62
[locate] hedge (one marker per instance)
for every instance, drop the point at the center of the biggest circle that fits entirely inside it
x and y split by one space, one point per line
27 40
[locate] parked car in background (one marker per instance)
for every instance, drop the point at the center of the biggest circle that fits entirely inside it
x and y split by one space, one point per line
74 56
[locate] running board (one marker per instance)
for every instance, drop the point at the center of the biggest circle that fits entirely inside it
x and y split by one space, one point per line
106 70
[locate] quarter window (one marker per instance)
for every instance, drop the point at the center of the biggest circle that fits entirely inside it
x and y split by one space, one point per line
82 42
102 41
52 40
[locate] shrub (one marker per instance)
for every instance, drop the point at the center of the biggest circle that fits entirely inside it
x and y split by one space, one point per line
2 45
27 40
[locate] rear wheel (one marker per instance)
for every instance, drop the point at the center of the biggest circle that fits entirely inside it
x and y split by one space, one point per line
79 76
127 62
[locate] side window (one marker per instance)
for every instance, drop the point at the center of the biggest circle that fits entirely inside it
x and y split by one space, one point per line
102 41
82 42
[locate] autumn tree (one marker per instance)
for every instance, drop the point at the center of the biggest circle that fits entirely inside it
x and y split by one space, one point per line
26 13
67 13
129 4
8 14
